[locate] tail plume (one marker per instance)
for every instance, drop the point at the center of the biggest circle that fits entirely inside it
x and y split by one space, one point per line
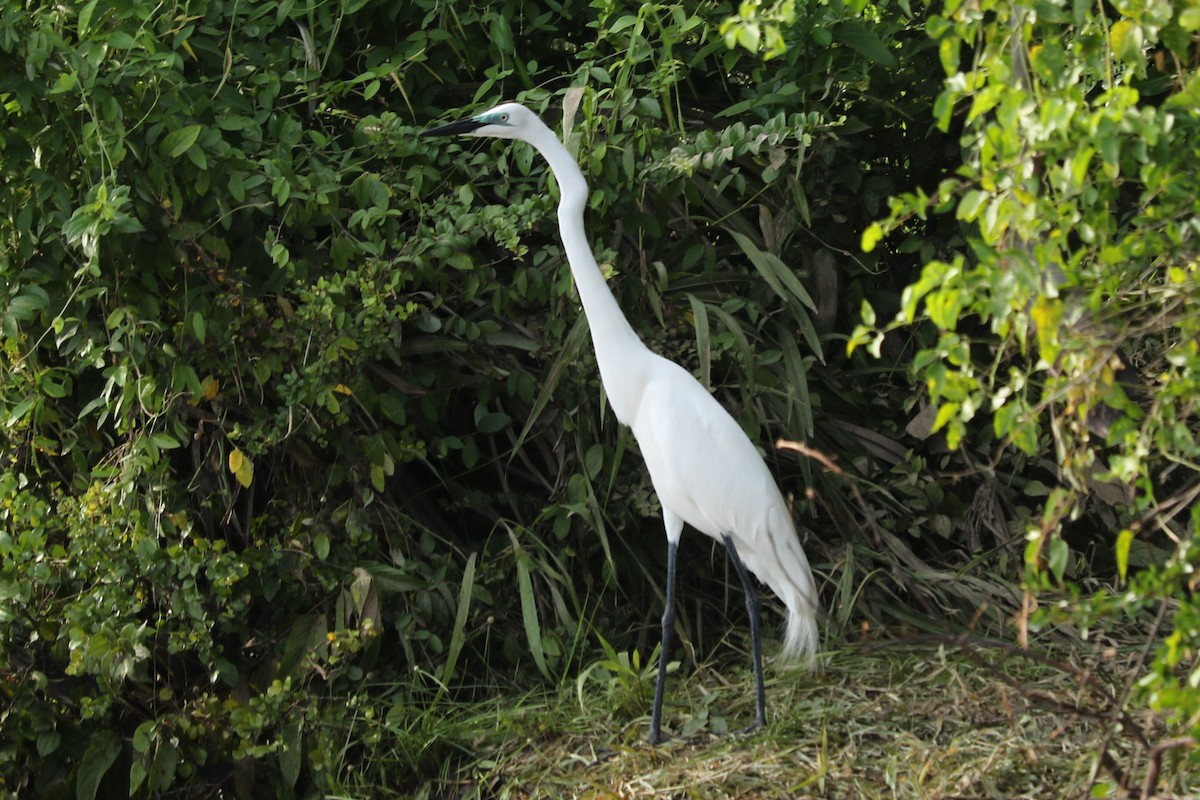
801 642
789 576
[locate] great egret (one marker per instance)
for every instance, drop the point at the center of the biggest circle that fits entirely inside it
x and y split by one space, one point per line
703 467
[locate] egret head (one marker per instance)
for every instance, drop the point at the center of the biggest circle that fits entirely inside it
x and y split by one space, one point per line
507 121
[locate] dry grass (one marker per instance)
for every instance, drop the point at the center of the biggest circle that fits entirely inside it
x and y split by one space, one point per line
927 722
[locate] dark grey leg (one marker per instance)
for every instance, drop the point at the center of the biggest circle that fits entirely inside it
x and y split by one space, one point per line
752 606
664 653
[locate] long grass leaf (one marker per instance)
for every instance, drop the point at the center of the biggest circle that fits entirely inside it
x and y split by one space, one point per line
459 634
575 341
739 336
703 345
798 380
779 276
529 614
805 325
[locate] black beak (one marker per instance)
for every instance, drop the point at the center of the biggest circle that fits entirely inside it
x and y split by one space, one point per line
454 128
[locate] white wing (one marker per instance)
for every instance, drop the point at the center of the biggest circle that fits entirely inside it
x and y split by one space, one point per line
703 466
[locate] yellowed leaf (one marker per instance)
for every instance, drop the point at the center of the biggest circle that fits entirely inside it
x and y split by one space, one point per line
209 387
342 388
245 474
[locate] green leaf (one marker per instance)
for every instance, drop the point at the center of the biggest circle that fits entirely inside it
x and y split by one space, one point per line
777 274
1126 39
66 82
177 142
199 327
871 237
137 776
703 345
103 749
308 631
458 635
798 384
390 580
166 760
321 546
290 751
743 343
863 40
529 612
164 441
1124 543
593 462
972 201
1060 552
85 18
493 422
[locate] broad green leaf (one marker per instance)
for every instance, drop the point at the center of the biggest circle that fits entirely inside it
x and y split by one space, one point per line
871 236
103 748
593 462
166 761
199 327
84 24
492 422
290 752
1126 38
972 201
66 82
308 632
177 142
863 40
391 580
164 441
1059 555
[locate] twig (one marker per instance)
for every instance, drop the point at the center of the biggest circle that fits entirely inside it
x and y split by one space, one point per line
1156 754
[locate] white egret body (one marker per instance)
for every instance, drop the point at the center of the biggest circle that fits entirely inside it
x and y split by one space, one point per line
703 467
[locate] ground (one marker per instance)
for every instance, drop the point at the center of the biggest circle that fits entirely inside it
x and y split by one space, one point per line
918 719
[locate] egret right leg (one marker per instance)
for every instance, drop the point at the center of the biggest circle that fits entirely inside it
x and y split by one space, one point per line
752 608
664 652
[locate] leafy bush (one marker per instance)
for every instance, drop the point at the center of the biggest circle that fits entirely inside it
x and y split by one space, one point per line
291 398
1064 327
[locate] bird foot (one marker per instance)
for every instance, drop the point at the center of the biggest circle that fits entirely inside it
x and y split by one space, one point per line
751 728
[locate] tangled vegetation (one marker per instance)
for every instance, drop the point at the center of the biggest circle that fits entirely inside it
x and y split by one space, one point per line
291 399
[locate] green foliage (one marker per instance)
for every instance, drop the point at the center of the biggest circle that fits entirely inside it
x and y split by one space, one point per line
1065 323
301 437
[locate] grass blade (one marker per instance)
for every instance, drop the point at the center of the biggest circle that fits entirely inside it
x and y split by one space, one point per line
576 340
460 623
703 345
529 615
779 276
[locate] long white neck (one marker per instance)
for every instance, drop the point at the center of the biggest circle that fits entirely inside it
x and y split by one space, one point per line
618 349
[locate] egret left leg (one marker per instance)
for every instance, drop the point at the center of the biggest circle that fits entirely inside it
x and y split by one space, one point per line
752 608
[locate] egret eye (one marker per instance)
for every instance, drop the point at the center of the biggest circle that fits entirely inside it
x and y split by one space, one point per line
504 117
